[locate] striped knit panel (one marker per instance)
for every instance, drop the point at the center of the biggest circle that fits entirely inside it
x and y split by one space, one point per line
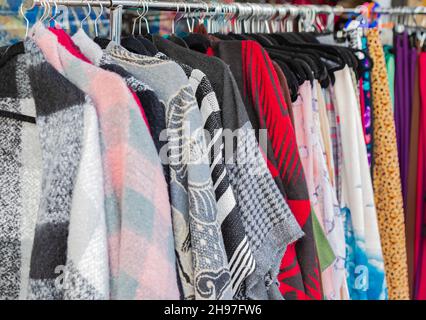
261 88
240 257
20 168
137 206
61 132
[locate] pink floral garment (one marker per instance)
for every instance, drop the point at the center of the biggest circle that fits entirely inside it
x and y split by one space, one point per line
322 195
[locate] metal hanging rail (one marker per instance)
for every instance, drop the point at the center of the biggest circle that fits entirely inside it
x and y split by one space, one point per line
212 6
116 8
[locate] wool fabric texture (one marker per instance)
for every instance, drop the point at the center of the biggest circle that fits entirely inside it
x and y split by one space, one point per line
82 239
20 179
140 237
202 262
67 261
153 108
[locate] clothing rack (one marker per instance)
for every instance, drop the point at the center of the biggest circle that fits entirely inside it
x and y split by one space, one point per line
116 9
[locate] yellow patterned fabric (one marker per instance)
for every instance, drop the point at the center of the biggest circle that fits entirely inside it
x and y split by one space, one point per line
386 178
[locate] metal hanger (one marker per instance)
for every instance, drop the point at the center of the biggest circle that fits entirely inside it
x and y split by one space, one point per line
230 22
239 16
175 21
214 19
318 21
281 12
46 11
53 16
330 19
249 20
187 16
143 17
98 17
260 18
224 19
294 13
255 18
399 27
303 16
270 15
310 22
192 17
135 20
27 22
421 33
203 14
232 14
89 7
221 23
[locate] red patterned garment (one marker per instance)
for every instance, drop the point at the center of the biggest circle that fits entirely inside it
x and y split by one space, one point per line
258 82
420 238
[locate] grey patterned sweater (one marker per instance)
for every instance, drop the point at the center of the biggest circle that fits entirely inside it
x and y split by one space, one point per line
240 256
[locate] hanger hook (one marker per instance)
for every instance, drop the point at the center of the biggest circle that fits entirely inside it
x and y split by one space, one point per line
135 20
204 14
318 19
279 19
53 16
44 5
187 15
27 22
330 18
88 14
146 20
46 11
174 19
143 17
413 17
143 3
98 17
